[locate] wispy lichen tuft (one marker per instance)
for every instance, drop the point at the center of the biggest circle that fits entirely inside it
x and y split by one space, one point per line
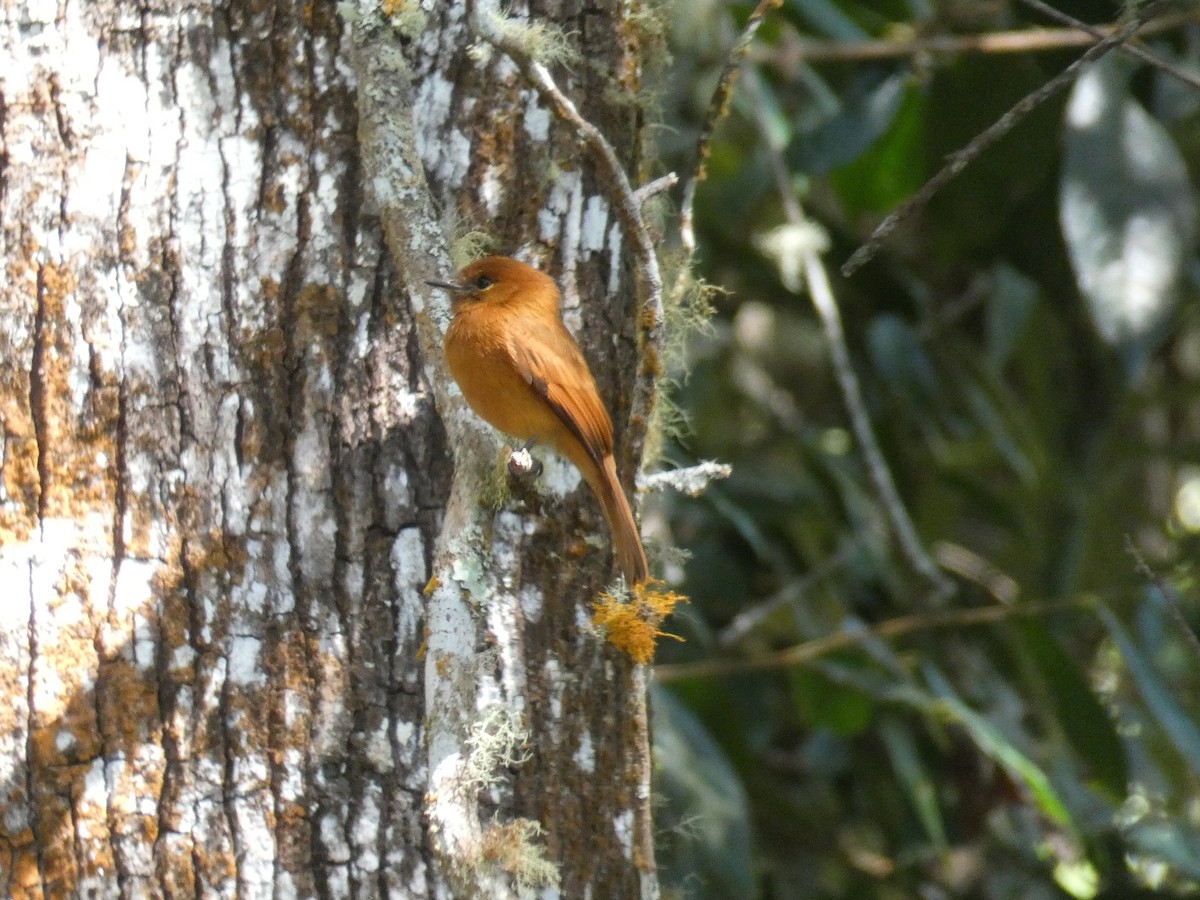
540 41
468 246
496 742
513 847
687 311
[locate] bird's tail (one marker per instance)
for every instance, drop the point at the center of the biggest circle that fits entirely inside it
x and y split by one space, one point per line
627 541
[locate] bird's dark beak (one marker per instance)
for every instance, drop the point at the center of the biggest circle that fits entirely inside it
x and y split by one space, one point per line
448 286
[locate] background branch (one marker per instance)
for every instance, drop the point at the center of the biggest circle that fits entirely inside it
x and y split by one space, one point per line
959 160
856 634
797 254
802 51
717 107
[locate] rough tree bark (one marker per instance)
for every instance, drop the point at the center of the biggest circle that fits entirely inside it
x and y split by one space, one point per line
224 479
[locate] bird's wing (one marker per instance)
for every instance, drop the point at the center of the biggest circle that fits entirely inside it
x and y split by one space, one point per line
550 361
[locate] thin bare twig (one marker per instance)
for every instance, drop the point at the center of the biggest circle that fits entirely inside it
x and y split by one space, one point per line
1168 594
808 651
959 160
877 469
831 322
1132 48
716 111
749 619
803 51
655 187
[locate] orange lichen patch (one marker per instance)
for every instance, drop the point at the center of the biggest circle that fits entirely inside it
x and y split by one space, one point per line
72 739
217 862
174 622
59 868
129 702
177 872
26 880
59 444
320 308
513 846
286 662
18 472
634 624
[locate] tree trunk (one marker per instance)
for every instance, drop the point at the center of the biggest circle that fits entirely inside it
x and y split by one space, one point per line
225 479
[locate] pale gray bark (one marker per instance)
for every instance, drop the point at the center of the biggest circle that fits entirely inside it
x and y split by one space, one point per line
223 479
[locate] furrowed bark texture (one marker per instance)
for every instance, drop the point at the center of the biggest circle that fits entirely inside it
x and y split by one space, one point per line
223 479
221 473
497 159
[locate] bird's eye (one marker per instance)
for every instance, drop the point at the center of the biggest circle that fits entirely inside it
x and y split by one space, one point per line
483 282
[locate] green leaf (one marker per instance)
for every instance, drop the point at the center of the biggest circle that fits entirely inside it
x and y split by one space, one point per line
990 418
900 358
1128 212
1087 726
865 112
824 17
704 822
888 171
918 784
991 741
1009 306
1179 726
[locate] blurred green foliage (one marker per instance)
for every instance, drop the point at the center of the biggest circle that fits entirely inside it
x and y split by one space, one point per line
1028 348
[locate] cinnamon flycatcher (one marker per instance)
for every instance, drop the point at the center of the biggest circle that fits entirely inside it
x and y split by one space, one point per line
523 373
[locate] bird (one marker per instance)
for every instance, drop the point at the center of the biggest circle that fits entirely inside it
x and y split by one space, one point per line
521 371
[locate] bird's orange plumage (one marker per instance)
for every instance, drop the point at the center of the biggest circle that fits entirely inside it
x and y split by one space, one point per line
521 370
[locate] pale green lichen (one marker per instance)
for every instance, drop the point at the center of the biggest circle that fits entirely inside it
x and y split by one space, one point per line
406 16
687 310
496 492
468 246
539 41
468 564
498 741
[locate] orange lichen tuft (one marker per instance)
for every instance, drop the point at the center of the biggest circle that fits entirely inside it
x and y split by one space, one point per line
513 847
634 624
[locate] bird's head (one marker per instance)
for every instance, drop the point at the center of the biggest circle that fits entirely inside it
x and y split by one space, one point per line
501 281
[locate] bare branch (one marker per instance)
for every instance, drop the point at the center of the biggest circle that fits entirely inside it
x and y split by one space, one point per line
716 111
855 633
796 248
1168 594
750 618
655 187
693 481
1132 48
959 160
803 51
881 476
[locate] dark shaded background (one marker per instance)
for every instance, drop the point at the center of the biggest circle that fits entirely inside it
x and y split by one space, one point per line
1043 445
